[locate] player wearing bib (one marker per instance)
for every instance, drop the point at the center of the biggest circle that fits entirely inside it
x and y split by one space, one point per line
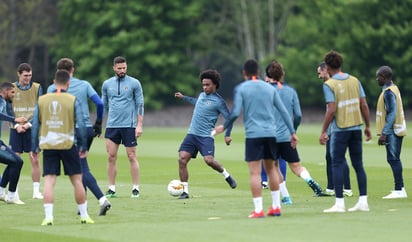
54 125
329 191
391 127
83 92
346 110
24 102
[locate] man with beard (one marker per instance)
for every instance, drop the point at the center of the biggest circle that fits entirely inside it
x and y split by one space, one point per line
123 99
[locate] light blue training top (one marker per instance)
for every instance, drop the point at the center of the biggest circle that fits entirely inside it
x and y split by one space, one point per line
290 99
208 107
83 91
330 97
123 100
259 101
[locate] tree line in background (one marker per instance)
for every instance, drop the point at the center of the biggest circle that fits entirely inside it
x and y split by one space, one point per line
167 43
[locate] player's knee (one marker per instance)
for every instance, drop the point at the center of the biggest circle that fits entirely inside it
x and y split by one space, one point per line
132 157
18 162
210 161
183 160
112 158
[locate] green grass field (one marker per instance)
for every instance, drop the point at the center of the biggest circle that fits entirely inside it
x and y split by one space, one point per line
215 212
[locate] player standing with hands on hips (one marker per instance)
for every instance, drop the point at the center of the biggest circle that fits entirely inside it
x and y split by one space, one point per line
123 99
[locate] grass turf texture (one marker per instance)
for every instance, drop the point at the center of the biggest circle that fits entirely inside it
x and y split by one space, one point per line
214 212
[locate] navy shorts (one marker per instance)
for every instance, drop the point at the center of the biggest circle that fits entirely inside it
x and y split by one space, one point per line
194 144
70 159
20 142
288 153
261 148
125 136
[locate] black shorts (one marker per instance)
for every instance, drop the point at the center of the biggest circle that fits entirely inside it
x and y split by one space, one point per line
70 159
20 142
125 136
288 153
261 148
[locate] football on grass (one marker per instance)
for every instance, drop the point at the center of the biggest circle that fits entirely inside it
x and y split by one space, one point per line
175 188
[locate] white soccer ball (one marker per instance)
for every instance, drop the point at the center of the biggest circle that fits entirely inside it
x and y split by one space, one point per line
175 188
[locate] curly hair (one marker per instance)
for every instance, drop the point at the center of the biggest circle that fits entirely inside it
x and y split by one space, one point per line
334 60
212 75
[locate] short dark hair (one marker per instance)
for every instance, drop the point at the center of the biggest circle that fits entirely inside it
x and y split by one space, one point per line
251 67
65 64
24 67
275 70
62 77
119 59
212 75
267 70
6 86
322 66
334 60
385 72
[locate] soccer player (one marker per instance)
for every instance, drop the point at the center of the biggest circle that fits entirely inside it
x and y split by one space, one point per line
391 127
24 101
289 97
11 174
208 106
54 125
346 107
282 167
83 91
259 101
122 96
329 191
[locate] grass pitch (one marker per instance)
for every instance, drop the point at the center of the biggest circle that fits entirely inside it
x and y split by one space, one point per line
214 212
